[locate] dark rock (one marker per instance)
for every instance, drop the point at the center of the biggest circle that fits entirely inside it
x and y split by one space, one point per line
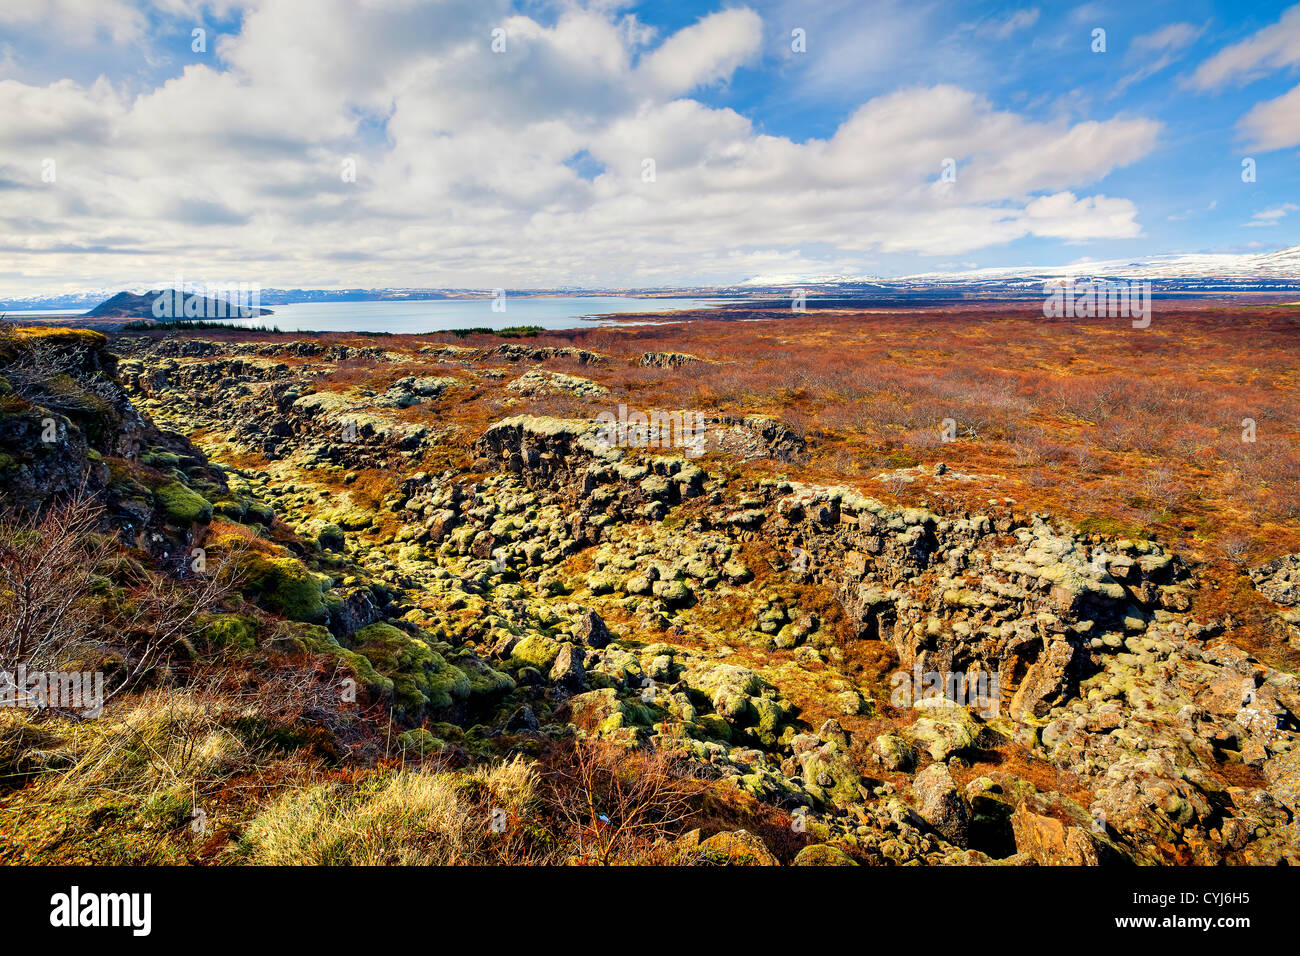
591 630
567 671
941 803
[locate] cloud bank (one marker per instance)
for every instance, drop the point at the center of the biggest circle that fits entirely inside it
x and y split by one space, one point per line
337 143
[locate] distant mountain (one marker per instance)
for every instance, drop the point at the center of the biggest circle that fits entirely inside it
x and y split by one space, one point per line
63 301
1283 264
1277 271
1268 272
164 304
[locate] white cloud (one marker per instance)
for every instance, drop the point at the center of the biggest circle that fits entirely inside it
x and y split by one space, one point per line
1064 216
1273 124
1153 52
1272 47
1172 36
1273 215
705 52
80 22
233 168
32 116
850 55
1015 22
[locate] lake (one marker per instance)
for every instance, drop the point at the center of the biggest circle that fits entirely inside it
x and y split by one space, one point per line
440 315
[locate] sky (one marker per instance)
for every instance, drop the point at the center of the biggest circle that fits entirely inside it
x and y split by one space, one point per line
498 144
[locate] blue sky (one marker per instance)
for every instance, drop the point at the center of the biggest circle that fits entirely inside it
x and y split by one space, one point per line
126 157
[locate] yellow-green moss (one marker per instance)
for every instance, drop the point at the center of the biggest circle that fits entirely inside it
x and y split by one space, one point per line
284 586
182 505
421 676
230 631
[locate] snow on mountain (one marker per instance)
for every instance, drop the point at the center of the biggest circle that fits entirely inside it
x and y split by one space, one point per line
1282 264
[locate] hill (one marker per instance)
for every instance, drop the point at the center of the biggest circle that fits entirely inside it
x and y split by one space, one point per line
171 304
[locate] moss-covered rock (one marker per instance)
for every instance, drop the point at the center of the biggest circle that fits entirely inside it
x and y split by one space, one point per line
330 536
422 677
603 713
316 639
735 848
821 854
183 506
161 458
484 680
284 586
829 774
537 651
419 741
945 730
234 631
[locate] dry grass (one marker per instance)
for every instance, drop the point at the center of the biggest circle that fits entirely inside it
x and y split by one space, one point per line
420 817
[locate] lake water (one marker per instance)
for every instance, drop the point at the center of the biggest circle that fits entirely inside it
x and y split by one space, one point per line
440 315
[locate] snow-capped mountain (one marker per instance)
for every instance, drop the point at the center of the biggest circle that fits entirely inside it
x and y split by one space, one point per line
1282 264
1207 271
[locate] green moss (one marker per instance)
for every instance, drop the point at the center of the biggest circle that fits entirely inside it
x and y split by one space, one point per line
160 458
421 676
229 508
820 854
483 679
261 512
284 586
714 726
59 335
535 651
124 479
240 507
230 631
352 519
1111 528
318 640
411 553
419 741
330 537
182 505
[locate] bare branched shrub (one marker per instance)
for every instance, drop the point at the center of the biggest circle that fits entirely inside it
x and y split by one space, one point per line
47 575
897 483
1236 548
1161 487
36 366
617 805
54 612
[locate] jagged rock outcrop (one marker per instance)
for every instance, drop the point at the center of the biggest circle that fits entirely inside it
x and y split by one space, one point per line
668 359
540 382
